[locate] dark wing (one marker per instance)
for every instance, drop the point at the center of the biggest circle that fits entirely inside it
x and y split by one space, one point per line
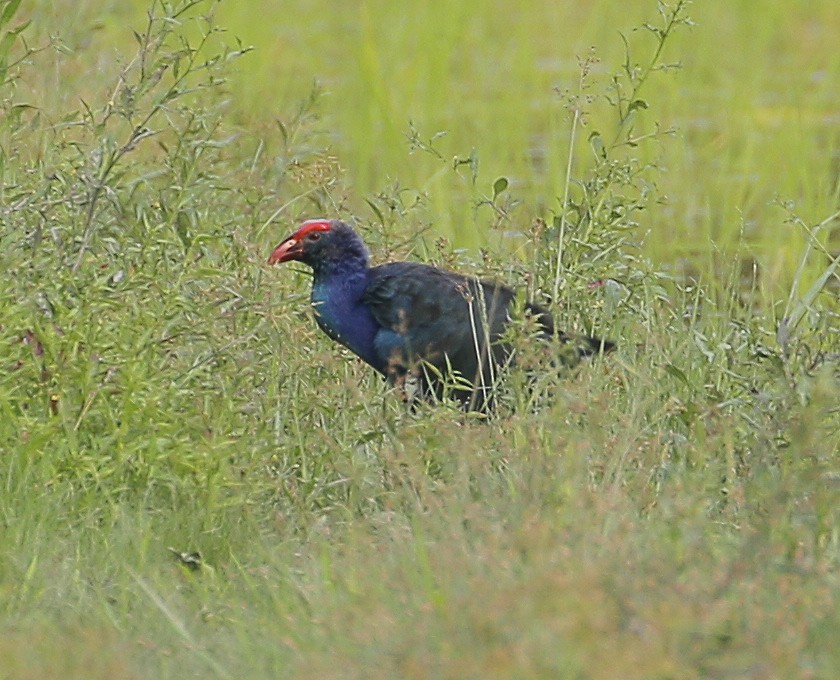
431 316
435 316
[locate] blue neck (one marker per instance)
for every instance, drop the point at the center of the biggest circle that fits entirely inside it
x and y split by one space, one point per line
339 311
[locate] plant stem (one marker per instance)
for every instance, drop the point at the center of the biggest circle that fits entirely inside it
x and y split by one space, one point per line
558 271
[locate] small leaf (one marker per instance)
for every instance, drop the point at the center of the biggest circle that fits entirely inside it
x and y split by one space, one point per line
376 211
6 43
20 28
672 370
499 186
283 132
637 104
9 11
209 272
597 143
182 227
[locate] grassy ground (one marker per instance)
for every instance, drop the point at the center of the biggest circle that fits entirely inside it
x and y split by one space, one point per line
196 483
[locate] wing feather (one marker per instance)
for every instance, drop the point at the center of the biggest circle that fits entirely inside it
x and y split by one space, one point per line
437 317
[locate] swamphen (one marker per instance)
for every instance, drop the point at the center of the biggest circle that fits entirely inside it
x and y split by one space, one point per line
415 324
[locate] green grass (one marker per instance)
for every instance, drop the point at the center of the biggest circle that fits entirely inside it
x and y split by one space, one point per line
754 106
667 511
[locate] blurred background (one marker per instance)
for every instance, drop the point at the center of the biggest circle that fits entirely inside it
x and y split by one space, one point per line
755 105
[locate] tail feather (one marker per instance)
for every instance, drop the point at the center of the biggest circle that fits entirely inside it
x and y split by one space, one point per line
582 345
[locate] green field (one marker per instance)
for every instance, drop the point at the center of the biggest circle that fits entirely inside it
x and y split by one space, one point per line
194 482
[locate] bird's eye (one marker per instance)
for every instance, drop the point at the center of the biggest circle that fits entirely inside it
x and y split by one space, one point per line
314 236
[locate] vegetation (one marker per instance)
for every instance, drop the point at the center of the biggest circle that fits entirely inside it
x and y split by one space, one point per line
195 482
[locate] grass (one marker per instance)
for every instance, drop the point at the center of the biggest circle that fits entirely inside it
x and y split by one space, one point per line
195 482
753 107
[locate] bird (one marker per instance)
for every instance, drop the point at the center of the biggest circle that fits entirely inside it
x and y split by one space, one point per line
430 332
